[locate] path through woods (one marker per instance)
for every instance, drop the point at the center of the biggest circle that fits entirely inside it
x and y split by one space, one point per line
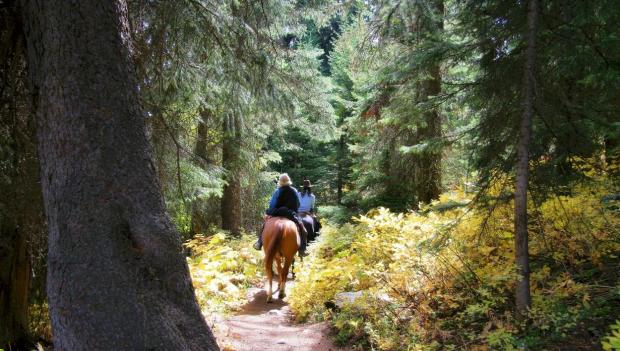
269 326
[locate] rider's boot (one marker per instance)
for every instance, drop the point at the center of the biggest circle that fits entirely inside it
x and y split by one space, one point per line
259 243
304 238
317 225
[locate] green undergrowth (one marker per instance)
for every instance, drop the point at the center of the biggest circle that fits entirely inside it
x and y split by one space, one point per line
223 268
444 280
612 341
39 321
336 214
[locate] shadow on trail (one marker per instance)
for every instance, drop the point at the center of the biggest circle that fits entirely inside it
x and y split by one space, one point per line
258 304
269 326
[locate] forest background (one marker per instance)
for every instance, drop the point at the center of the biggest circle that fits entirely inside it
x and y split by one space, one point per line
477 142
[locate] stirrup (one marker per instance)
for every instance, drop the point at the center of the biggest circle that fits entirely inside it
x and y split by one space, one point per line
257 245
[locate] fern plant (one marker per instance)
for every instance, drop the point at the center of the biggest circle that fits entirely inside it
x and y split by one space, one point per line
612 341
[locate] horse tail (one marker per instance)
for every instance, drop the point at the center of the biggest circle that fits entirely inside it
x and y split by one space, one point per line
272 249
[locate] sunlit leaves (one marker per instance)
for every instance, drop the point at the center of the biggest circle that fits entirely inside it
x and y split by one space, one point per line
449 273
222 269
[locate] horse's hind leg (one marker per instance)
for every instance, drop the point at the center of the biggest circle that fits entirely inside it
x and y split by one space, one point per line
269 273
287 264
280 272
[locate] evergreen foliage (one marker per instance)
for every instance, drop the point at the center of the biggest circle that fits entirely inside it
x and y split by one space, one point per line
405 116
576 84
232 61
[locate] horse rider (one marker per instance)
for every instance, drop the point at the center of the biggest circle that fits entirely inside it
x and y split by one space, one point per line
307 206
285 203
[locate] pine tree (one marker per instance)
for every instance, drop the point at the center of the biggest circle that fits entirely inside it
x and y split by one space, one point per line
394 99
116 275
523 299
244 68
536 97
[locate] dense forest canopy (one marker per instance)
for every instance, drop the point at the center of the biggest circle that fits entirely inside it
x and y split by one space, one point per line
464 156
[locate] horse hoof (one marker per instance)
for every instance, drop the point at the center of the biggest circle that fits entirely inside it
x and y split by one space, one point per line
281 296
269 300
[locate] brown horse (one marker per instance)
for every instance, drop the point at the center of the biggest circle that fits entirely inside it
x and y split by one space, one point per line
280 243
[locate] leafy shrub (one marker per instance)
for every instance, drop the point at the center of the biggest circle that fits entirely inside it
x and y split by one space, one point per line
612 341
449 275
335 214
39 321
222 270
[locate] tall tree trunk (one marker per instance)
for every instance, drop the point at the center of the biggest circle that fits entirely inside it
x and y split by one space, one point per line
117 279
14 278
341 168
20 202
25 226
14 282
428 165
14 266
13 248
159 138
428 177
199 220
398 176
202 139
523 298
231 158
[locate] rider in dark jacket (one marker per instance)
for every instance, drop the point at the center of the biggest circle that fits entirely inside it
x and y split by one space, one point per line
285 203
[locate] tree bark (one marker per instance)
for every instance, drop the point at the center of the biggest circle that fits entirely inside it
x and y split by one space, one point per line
231 158
202 139
117 279
522 296
428 177
14 283
159 138
21 221
199 220
428 165
25 226
341 169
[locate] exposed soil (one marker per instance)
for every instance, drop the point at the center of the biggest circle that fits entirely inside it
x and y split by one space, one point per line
269 326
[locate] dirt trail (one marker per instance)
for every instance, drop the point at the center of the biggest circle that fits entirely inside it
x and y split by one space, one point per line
269 326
